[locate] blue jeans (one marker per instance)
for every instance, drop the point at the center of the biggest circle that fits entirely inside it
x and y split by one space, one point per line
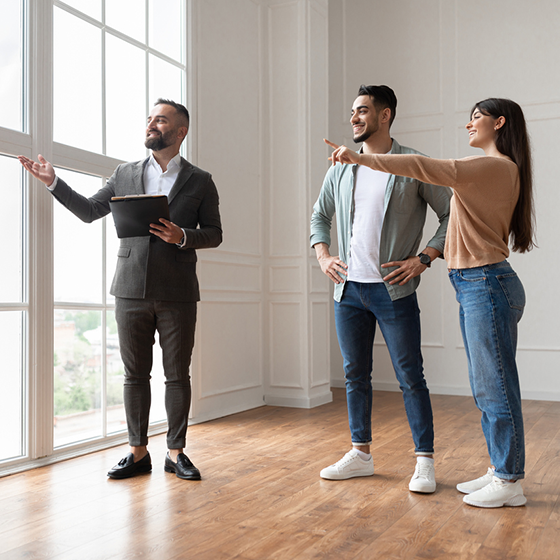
491 301
356 315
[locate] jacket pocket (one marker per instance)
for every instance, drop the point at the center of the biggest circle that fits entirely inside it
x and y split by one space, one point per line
123 252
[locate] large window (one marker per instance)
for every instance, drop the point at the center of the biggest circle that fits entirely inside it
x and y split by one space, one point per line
78 80
87 367
13 293
12 36
107 72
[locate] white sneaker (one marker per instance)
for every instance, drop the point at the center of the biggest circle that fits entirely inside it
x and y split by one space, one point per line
350 466
424 478
498 493
478 484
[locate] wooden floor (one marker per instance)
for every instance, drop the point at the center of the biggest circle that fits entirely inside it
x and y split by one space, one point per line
261 496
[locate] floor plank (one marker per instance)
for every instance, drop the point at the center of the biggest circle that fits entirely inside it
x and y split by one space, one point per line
261 496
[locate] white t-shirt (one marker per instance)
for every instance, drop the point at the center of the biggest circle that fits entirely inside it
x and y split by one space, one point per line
369 201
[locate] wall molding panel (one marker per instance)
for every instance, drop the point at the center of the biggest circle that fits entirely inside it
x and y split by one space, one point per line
434 101
285 279
297 82
266 303
258 320
241 277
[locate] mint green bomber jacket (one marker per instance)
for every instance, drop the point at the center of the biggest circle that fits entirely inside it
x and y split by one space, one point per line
405 208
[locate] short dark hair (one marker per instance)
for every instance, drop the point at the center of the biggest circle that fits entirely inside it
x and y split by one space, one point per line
181 109
382 97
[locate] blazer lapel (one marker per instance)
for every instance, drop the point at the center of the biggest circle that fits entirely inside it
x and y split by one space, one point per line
184 174
138 177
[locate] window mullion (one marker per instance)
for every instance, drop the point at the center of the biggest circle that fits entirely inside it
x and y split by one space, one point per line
103 85
40 245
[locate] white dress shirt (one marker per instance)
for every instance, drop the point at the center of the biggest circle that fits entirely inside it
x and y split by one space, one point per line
157 181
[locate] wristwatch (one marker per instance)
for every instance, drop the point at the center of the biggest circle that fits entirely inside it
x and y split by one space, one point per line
425 259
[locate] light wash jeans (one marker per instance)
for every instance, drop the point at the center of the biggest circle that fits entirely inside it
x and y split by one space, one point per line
492 300
361 307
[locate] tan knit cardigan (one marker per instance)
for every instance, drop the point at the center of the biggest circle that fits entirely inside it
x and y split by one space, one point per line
486 189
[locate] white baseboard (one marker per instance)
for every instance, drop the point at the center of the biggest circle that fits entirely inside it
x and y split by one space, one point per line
540 396
338 383
553 396
241 407
296 402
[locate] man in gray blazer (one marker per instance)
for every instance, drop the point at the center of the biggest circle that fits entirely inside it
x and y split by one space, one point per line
155 284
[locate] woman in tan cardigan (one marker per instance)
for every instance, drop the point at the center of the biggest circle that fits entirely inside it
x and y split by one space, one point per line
492 205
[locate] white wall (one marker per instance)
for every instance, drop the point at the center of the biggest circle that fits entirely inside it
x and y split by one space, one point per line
225 140
440 57
259 95
271 78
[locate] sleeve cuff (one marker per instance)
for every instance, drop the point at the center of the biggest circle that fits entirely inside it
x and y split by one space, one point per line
52 186
183 241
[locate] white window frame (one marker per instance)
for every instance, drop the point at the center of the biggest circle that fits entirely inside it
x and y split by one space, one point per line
38 301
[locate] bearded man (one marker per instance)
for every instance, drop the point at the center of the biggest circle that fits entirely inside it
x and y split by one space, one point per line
380 218
155 284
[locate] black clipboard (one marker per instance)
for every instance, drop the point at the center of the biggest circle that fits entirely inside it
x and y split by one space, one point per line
134 214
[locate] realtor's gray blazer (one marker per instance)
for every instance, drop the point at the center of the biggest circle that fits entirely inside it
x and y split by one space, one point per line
148 267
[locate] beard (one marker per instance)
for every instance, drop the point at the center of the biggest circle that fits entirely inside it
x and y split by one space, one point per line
157 143
362 137
366 133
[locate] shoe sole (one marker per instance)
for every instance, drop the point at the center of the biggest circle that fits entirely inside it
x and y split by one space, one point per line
334 477
190 477
516 501
140 470
418 491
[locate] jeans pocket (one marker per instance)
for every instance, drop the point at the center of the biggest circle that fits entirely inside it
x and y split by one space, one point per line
473 275
513 290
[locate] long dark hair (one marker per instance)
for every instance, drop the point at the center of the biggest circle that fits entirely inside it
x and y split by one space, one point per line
512 140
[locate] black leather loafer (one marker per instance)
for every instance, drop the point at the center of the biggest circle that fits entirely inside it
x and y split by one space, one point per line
126 467
183 468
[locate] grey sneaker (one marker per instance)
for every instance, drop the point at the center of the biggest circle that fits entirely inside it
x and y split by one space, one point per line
498 493
424 478
350 466
479 483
